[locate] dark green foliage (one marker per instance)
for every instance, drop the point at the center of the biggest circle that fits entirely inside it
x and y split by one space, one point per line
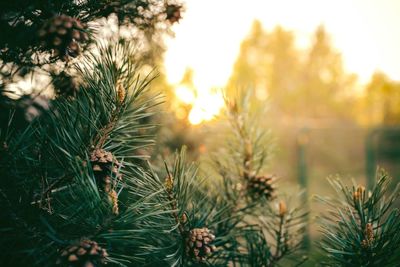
20 21
41 36
361 227
49 197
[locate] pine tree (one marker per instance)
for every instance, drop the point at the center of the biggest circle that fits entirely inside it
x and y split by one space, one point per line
277 221
72 193
362 227
75 193
76 189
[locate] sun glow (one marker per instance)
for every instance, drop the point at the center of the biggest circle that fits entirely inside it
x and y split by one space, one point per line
208 39
206 104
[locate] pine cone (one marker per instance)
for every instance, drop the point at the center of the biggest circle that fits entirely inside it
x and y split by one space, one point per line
105 167
63 34
65 84
198 244
259 186
173 12
85 254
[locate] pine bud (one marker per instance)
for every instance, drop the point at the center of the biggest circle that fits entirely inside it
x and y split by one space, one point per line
113 199
359 193
282 208
169 183
184 218
121 93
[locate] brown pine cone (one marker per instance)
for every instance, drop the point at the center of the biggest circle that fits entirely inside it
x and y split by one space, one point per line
198 244
105 167
173 13
63 34
261 186
86 253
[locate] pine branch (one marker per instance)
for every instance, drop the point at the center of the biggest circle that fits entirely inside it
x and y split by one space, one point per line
53 159
239 163
361 228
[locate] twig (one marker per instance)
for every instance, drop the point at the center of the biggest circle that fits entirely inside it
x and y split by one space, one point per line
172 199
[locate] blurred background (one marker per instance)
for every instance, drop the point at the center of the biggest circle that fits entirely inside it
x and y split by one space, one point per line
328 71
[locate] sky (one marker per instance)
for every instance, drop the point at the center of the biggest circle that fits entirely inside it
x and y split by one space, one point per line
208 38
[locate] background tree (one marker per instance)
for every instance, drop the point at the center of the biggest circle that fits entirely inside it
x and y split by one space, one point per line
311 86
382 101
325 86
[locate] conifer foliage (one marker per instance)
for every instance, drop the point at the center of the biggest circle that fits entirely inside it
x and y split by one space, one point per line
74 194
362 227
76 189
273 224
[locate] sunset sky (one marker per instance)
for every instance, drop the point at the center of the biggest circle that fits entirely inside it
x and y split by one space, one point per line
208 39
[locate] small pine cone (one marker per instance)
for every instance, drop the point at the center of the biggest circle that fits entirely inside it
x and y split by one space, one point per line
199 244
369 236
63 34
65 84
105 167
173 13
84 254
261 186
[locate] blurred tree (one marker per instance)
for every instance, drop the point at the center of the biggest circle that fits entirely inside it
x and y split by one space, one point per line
315 85
249 68
382 101
267 61
325 86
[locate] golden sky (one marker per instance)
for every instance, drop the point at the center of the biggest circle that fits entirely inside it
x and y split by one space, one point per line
366 32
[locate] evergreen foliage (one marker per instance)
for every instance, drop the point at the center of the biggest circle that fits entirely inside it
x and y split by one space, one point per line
45 36
77 190
277 222
362 227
